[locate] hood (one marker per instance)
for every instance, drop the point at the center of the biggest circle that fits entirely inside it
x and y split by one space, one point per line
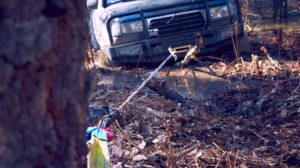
123 8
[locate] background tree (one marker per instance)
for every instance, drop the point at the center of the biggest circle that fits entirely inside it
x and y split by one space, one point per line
280 11
43 93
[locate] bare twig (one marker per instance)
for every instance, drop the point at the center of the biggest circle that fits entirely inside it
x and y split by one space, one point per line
228 159
272 61
89 58
235 158
259 136
263 98
170 155
139 60
196 161
185 147
181 155
296 89
185 73
255 65
218 146
221 159
293 104
236 31
233 33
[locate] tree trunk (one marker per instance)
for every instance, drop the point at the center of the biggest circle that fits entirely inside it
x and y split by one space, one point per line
43 91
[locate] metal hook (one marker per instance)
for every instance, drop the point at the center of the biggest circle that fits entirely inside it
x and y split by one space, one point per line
172 53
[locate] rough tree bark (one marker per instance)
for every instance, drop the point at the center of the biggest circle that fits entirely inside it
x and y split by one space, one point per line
43 91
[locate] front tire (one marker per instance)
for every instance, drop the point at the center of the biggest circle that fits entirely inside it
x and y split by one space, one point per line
93 41
104 61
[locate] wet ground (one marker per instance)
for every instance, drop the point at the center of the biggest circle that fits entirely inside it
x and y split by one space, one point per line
238 113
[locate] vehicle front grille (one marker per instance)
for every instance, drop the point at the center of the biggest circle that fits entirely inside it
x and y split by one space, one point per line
178 23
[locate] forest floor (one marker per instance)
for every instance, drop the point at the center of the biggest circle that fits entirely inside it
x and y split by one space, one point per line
241 113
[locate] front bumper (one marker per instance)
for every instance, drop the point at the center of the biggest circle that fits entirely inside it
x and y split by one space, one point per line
156 49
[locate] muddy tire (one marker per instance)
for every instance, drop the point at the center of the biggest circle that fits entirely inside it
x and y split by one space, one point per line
93 41
104 61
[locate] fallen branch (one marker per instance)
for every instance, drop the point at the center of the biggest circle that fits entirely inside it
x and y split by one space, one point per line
161 88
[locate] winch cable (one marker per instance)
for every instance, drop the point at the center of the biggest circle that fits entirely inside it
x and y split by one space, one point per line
143 84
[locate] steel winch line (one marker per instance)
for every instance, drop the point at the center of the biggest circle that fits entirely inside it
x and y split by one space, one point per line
152 74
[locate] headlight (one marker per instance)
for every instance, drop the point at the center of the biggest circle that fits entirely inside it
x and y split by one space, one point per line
126 27
115 27
218 12
132 27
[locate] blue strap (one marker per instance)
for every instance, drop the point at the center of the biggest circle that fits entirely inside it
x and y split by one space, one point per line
96 132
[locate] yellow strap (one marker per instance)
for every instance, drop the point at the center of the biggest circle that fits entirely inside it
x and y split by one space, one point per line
98 156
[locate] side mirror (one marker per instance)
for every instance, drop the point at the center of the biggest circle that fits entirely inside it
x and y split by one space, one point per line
92 4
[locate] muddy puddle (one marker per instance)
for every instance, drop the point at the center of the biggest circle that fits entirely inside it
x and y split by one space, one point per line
191 83
195 83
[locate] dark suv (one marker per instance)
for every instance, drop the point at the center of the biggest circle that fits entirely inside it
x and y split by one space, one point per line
131 31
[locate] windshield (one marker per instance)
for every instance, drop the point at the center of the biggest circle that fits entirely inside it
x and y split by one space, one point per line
110 2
